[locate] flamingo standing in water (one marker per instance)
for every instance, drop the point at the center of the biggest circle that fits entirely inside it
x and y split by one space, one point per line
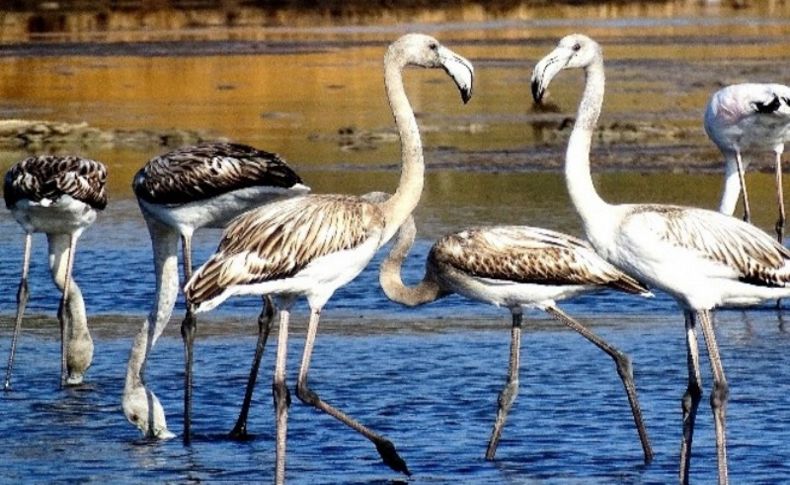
311 245
749 116
197 186
514 267
702 258
59 196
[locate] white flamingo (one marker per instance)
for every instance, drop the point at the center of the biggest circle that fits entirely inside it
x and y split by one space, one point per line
59 196
311 245
179 192
702 258
515 267
743 117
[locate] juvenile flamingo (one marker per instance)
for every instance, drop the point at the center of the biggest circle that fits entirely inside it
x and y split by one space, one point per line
702 258
514 267
744 117
59 196
311 245
179 192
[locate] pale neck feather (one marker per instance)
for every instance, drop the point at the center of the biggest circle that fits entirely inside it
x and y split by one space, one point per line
582 191
165 246
390 277
732 187
398 207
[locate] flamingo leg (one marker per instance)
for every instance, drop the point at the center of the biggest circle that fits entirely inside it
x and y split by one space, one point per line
282 397
692 396
508 394
186 242
742 176
718 398
624 370
780 222
21 303
188 328
239 431
384 446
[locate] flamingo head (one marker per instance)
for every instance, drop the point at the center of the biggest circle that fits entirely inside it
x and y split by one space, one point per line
573 51
424 51
143 409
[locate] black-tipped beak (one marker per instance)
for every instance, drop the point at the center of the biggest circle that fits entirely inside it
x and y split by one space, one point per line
460 70
466 95
537 92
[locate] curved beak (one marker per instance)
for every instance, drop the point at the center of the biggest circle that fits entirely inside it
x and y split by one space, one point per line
158 434
460 70
165 434
546 69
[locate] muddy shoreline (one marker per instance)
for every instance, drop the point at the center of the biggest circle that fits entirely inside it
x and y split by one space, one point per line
39 135
616 147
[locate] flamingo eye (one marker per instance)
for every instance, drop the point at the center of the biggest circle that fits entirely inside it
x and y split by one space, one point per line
577 47
433 46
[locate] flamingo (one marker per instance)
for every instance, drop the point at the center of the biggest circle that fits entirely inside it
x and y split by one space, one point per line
749 116
196 186
702 258
59 196
514 267
311 245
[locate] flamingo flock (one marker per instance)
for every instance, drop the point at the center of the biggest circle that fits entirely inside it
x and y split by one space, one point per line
282 243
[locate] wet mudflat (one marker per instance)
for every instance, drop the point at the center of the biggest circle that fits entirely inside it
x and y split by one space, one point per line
427 378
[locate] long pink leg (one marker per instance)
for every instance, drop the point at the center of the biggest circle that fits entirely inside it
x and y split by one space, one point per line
239 431
718 398
508 394
624 370
692 397
384 446
747 216
282 397
21 303
780 200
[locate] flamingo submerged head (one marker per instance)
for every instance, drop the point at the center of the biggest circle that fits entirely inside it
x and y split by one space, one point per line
143 409
573 51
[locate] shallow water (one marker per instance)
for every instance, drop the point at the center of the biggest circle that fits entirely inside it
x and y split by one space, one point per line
427 378
432 391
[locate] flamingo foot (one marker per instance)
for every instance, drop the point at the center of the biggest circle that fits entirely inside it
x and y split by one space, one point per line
391 458
239 433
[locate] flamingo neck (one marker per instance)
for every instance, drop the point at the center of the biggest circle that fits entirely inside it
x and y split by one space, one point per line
78 339
577 159
390 278
165 247
732 186
398 207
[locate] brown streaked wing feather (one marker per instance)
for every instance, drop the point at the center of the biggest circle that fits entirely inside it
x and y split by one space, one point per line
524 254
756 256
278 240
50 177
207 170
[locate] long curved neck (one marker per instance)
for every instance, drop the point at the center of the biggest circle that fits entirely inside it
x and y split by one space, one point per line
390 278
577 159
165 246
398 207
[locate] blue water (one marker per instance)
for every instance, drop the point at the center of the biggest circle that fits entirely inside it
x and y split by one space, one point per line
433 392
426 378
